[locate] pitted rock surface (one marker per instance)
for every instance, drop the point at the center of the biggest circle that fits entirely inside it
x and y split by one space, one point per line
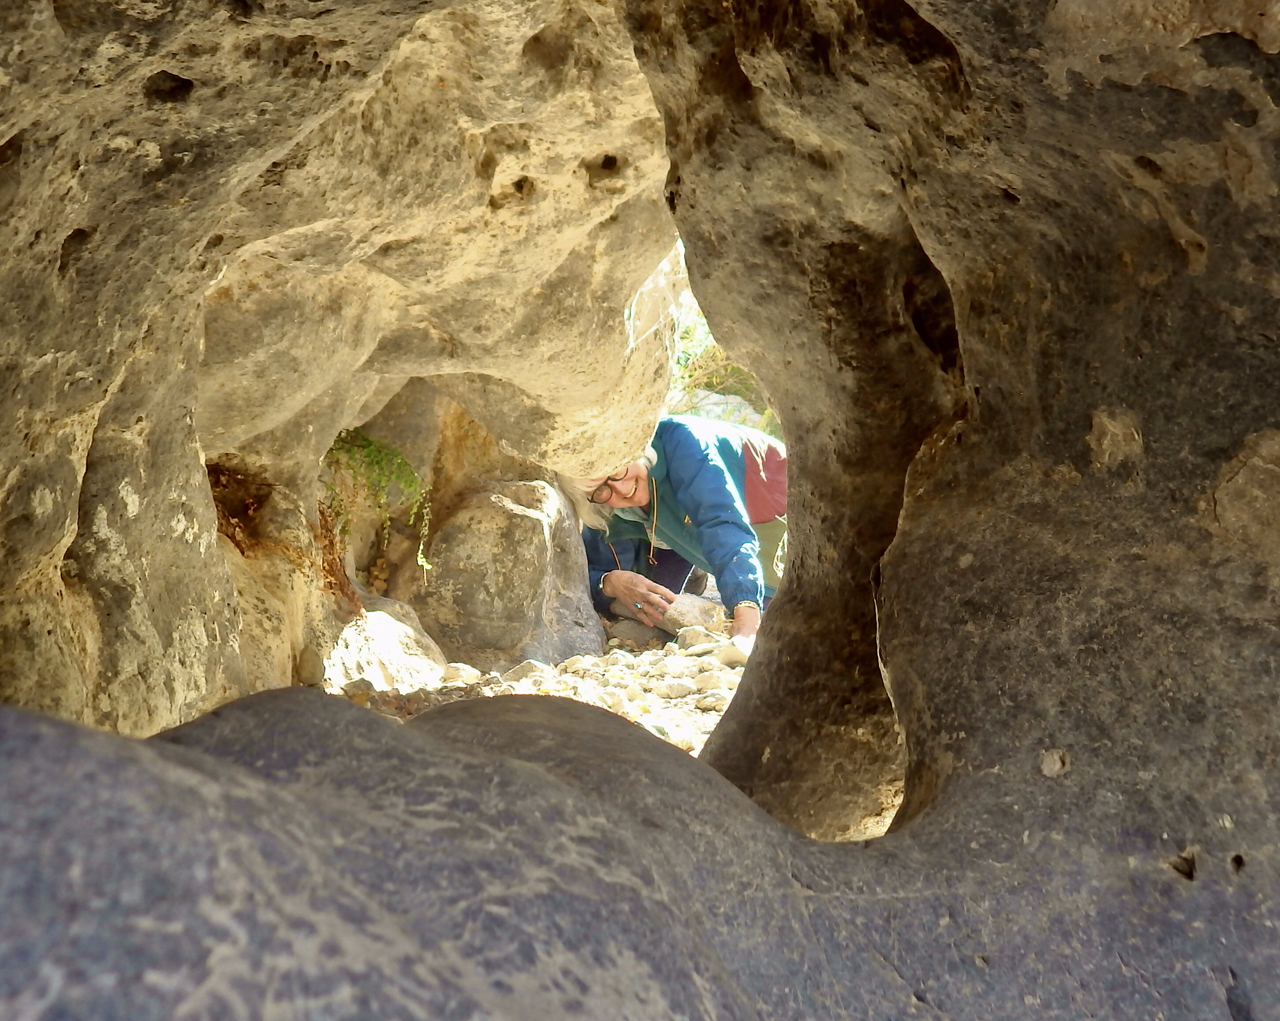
232 230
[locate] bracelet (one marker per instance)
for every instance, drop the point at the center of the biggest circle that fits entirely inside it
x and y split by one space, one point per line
746 602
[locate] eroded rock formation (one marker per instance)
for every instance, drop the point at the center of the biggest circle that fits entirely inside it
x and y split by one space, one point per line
1008 273
233 229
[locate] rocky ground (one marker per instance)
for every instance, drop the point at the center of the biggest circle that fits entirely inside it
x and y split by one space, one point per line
676 689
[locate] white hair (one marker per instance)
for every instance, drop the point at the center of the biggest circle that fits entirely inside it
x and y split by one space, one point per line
596 515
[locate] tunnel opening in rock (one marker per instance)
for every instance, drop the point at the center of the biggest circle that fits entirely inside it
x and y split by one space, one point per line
374 199
239 496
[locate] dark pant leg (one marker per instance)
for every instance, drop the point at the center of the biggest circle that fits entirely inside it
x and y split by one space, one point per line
671 570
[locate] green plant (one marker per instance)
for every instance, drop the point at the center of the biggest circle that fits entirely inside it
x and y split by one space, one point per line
361 466
701 371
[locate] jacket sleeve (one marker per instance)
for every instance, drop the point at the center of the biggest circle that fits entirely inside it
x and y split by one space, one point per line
603 557
705 491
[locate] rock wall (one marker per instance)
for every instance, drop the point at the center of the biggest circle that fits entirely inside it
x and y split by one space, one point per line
231 230
1008 274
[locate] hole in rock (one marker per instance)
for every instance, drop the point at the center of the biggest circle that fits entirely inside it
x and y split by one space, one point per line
73 245
1237 863
550 48
167 87
404 524
239 495
1184 864
10 178
603 166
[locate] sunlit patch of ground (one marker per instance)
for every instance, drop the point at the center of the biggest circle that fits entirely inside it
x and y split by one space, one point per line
678 694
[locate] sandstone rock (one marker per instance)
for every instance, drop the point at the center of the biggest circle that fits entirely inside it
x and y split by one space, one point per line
673 689
509 580
262 252
387 646
692 636
713 701
529 668
564 768
634 631
690 611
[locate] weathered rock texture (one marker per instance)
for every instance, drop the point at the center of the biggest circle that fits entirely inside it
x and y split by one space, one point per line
232 229
508 580
1009 273
531 857
1032 255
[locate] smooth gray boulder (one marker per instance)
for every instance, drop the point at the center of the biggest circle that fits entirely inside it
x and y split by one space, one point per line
529 857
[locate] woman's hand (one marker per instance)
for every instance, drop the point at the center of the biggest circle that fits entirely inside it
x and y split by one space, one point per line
746 621
648 599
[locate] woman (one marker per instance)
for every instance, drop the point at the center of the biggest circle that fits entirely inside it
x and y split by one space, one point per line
712 493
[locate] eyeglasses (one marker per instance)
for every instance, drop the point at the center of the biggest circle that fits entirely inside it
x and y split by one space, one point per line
603 491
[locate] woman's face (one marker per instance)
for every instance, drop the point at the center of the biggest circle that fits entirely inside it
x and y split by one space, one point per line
627 488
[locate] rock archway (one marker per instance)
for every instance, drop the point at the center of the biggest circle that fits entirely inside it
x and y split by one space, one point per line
1008 273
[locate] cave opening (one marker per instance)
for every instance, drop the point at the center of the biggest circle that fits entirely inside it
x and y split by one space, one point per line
412 509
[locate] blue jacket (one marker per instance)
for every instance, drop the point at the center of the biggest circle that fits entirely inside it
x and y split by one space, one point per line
706 477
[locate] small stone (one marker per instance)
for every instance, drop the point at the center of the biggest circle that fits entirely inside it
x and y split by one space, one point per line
360 686
709 679
530 668
682 666
309 668
712 702
1054 762
619 659
632 692
612 701
695 635
461 672
572 664
416 701
731 655
673 689
687 611
705 649
683 743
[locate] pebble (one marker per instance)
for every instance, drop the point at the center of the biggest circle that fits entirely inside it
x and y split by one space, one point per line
673 689
461 672
526 669
690 636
